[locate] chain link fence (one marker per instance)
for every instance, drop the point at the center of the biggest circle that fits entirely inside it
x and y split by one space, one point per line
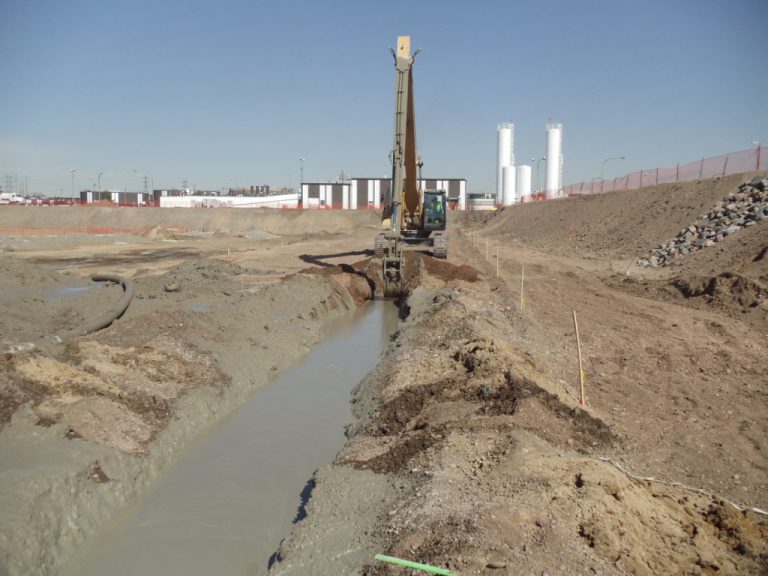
723 165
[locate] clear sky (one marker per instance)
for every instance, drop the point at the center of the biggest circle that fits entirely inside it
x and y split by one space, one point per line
234 92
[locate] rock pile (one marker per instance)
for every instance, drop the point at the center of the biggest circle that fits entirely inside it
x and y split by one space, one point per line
744 208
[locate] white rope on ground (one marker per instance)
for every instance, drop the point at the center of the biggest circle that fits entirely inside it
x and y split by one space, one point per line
738 507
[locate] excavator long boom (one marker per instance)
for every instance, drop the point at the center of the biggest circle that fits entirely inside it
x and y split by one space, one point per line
411 192
404 199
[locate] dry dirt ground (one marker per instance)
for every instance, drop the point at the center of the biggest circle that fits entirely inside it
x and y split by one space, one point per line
469 448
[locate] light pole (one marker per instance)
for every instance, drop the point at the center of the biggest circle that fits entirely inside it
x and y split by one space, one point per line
72 172
301 179
757 162
608 159
99 181
538 165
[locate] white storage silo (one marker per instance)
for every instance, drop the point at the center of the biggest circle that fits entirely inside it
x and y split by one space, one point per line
554 159
505 155
509 185
524 182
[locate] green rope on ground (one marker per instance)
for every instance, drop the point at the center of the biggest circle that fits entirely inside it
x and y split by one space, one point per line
416 565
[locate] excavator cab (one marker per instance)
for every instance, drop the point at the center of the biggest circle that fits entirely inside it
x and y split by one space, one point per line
434 210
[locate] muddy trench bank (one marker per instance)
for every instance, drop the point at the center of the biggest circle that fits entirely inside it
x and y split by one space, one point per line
464 454
87 426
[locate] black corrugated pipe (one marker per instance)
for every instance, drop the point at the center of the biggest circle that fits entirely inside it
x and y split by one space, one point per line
94 325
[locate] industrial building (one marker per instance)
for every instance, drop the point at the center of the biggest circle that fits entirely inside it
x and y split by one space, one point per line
364 193
259 196
353 194
118 198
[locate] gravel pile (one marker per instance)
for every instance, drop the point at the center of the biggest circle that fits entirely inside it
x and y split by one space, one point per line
744 208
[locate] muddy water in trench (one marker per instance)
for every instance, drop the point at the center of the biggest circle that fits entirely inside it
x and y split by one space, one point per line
224 508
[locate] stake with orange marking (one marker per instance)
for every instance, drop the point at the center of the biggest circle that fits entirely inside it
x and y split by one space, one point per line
582 376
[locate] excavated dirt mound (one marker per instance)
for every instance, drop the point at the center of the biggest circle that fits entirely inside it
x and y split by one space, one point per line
618 223
725 290
160 233
730 279
360 280
421 269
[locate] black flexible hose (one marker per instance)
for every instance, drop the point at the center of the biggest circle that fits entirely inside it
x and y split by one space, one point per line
94 325
106 319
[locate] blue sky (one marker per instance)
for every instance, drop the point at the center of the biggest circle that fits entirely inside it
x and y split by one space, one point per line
234 92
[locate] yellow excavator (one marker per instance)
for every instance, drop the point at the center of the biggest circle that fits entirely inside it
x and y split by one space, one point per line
411 215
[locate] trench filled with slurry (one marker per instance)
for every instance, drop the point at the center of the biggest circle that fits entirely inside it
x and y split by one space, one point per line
231 498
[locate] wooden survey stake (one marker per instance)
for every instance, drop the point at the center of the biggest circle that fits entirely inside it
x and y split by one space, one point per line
581 369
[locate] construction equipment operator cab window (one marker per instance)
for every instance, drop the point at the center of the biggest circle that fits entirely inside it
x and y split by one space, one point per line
434 215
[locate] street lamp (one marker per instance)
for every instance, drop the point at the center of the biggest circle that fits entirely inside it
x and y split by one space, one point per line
99 181
608 159
301 171
538 165
72 171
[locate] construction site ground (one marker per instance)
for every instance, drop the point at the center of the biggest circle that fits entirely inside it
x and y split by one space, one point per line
467 448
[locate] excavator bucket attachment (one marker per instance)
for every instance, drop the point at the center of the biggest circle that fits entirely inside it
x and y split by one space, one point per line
393 268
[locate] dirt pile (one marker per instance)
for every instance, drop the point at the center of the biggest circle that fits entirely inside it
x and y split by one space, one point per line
742 209
620 224
160 233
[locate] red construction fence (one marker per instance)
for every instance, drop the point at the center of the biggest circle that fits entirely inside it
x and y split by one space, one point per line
86 230
723 165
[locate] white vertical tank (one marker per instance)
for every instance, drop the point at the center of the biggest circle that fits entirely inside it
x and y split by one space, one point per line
353 194
524 182
376 192
344 197
554 159
505 155
508 179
